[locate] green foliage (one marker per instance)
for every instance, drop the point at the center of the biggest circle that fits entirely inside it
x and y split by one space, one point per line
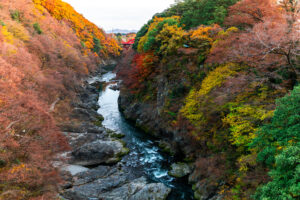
82 44
193 13
196 12
37 28
97 45
140 34
151 40
219 15
2 23
278 144
285 177
15 15
283 130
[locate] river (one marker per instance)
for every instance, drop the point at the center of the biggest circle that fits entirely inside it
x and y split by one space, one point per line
145 157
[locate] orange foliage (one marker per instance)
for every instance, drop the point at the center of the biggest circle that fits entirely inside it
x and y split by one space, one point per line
84 29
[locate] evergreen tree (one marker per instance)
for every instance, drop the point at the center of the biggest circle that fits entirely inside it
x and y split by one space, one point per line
279 145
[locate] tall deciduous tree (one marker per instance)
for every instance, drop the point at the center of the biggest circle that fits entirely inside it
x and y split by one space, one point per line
270 38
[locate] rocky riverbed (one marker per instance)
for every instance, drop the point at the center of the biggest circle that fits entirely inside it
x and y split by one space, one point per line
92 169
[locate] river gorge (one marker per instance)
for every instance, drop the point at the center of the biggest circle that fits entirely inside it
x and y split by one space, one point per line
138 164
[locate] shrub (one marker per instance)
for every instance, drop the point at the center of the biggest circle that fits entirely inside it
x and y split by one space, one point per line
97 45
15 15
37 28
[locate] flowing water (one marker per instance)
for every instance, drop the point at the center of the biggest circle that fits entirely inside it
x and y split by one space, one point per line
145 157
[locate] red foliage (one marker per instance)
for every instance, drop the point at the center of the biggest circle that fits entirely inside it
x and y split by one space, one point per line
247 13
271 42
210 170
140 67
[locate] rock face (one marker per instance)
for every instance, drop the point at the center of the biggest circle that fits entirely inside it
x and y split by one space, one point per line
180 170
98 152
148 118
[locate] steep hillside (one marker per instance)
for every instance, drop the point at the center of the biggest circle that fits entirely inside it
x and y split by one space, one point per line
203 76
46 49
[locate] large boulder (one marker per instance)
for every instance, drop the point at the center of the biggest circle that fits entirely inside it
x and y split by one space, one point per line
179 170
138 189
92 190
99 152
153 191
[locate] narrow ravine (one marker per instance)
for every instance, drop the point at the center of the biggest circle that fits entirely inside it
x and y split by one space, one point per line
145 157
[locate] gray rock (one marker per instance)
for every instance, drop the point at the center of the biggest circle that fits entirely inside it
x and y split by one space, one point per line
78 139
86 114
98 152
126 191
94 189
153 191
138 189
93 174
205 191
180 170
114 87
81 128
74 169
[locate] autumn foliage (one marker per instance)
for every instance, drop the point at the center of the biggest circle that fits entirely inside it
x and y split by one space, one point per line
215 85
42 61
86 31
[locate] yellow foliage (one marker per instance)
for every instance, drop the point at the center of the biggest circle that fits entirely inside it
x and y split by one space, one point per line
192 107
202 33
217 77
154 29
171 38
18 31
8 37
242 120
18 168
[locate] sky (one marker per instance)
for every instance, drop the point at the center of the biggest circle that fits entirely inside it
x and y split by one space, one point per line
119 14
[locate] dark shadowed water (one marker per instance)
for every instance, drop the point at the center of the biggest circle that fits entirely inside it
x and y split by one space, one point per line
145 158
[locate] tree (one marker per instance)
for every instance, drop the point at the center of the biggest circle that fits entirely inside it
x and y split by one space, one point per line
270 37
285 176
278 145
97 45
247 13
